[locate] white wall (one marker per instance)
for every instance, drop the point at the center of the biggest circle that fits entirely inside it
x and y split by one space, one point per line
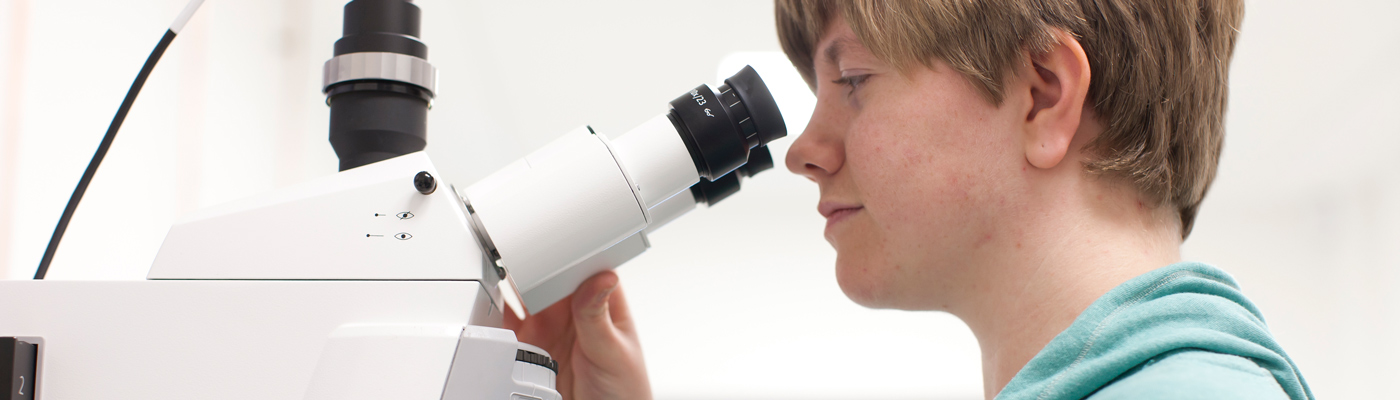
1305 212
1306 208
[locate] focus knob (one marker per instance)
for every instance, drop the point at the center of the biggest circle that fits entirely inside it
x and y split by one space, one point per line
534 365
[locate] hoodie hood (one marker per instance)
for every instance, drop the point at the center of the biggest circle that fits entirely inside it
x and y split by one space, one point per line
1181 306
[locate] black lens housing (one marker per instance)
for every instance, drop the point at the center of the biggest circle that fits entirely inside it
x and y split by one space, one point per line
709 192
389 26
719 129
372 119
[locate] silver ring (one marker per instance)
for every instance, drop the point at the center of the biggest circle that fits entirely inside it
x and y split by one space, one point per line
482 237
384 66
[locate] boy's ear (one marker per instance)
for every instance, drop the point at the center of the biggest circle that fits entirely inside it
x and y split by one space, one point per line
1058 82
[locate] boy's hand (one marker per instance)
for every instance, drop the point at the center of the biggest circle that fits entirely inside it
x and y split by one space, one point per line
591 335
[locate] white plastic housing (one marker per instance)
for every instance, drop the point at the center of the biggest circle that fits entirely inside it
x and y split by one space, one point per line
556 207
568 279
358 359
491 380
286 340
364 223
669 210
656 158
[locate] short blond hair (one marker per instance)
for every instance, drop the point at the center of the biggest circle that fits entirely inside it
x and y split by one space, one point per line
1160 69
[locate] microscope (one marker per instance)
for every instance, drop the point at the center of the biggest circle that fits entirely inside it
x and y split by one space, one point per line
382 281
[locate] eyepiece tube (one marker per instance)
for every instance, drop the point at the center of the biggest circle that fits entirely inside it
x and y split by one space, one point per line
582 202
704 136
556 287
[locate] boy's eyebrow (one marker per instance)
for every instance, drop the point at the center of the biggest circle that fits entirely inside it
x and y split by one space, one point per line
833 51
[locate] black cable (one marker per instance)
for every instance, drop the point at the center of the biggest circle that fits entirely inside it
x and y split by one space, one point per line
102 152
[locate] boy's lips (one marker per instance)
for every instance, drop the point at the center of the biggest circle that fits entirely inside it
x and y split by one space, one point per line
836 212
829 209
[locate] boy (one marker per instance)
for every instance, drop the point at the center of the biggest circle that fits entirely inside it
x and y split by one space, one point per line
1030 167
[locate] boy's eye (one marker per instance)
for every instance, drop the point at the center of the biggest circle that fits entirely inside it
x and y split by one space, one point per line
852 82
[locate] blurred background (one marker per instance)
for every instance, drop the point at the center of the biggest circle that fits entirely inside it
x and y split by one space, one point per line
736 301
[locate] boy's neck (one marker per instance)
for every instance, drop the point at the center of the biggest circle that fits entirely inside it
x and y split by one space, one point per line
1094 238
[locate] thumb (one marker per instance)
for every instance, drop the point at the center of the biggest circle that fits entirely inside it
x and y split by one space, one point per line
590 306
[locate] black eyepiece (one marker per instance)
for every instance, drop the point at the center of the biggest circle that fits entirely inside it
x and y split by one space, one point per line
720 128
710 192
760 159
767 120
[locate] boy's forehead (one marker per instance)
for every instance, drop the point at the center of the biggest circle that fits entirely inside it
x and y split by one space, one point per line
838 41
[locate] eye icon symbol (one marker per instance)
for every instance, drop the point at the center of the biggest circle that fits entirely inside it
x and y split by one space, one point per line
403 236
404 215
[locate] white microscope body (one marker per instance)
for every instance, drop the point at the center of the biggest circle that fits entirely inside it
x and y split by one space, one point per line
379 281
357 285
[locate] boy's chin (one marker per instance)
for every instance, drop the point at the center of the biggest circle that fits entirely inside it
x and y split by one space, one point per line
887 286
866 284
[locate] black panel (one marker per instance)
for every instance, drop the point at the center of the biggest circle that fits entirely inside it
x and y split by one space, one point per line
17 369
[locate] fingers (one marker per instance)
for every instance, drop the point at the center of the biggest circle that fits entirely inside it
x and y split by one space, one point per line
620 313
605 297
607 356
590 303
552 325
509 320
595 331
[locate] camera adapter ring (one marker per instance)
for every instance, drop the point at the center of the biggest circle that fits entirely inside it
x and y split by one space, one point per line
379 66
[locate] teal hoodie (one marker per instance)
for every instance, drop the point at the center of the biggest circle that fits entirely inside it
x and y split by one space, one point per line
1181 331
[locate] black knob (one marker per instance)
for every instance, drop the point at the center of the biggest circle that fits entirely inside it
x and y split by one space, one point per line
424 182
530 357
